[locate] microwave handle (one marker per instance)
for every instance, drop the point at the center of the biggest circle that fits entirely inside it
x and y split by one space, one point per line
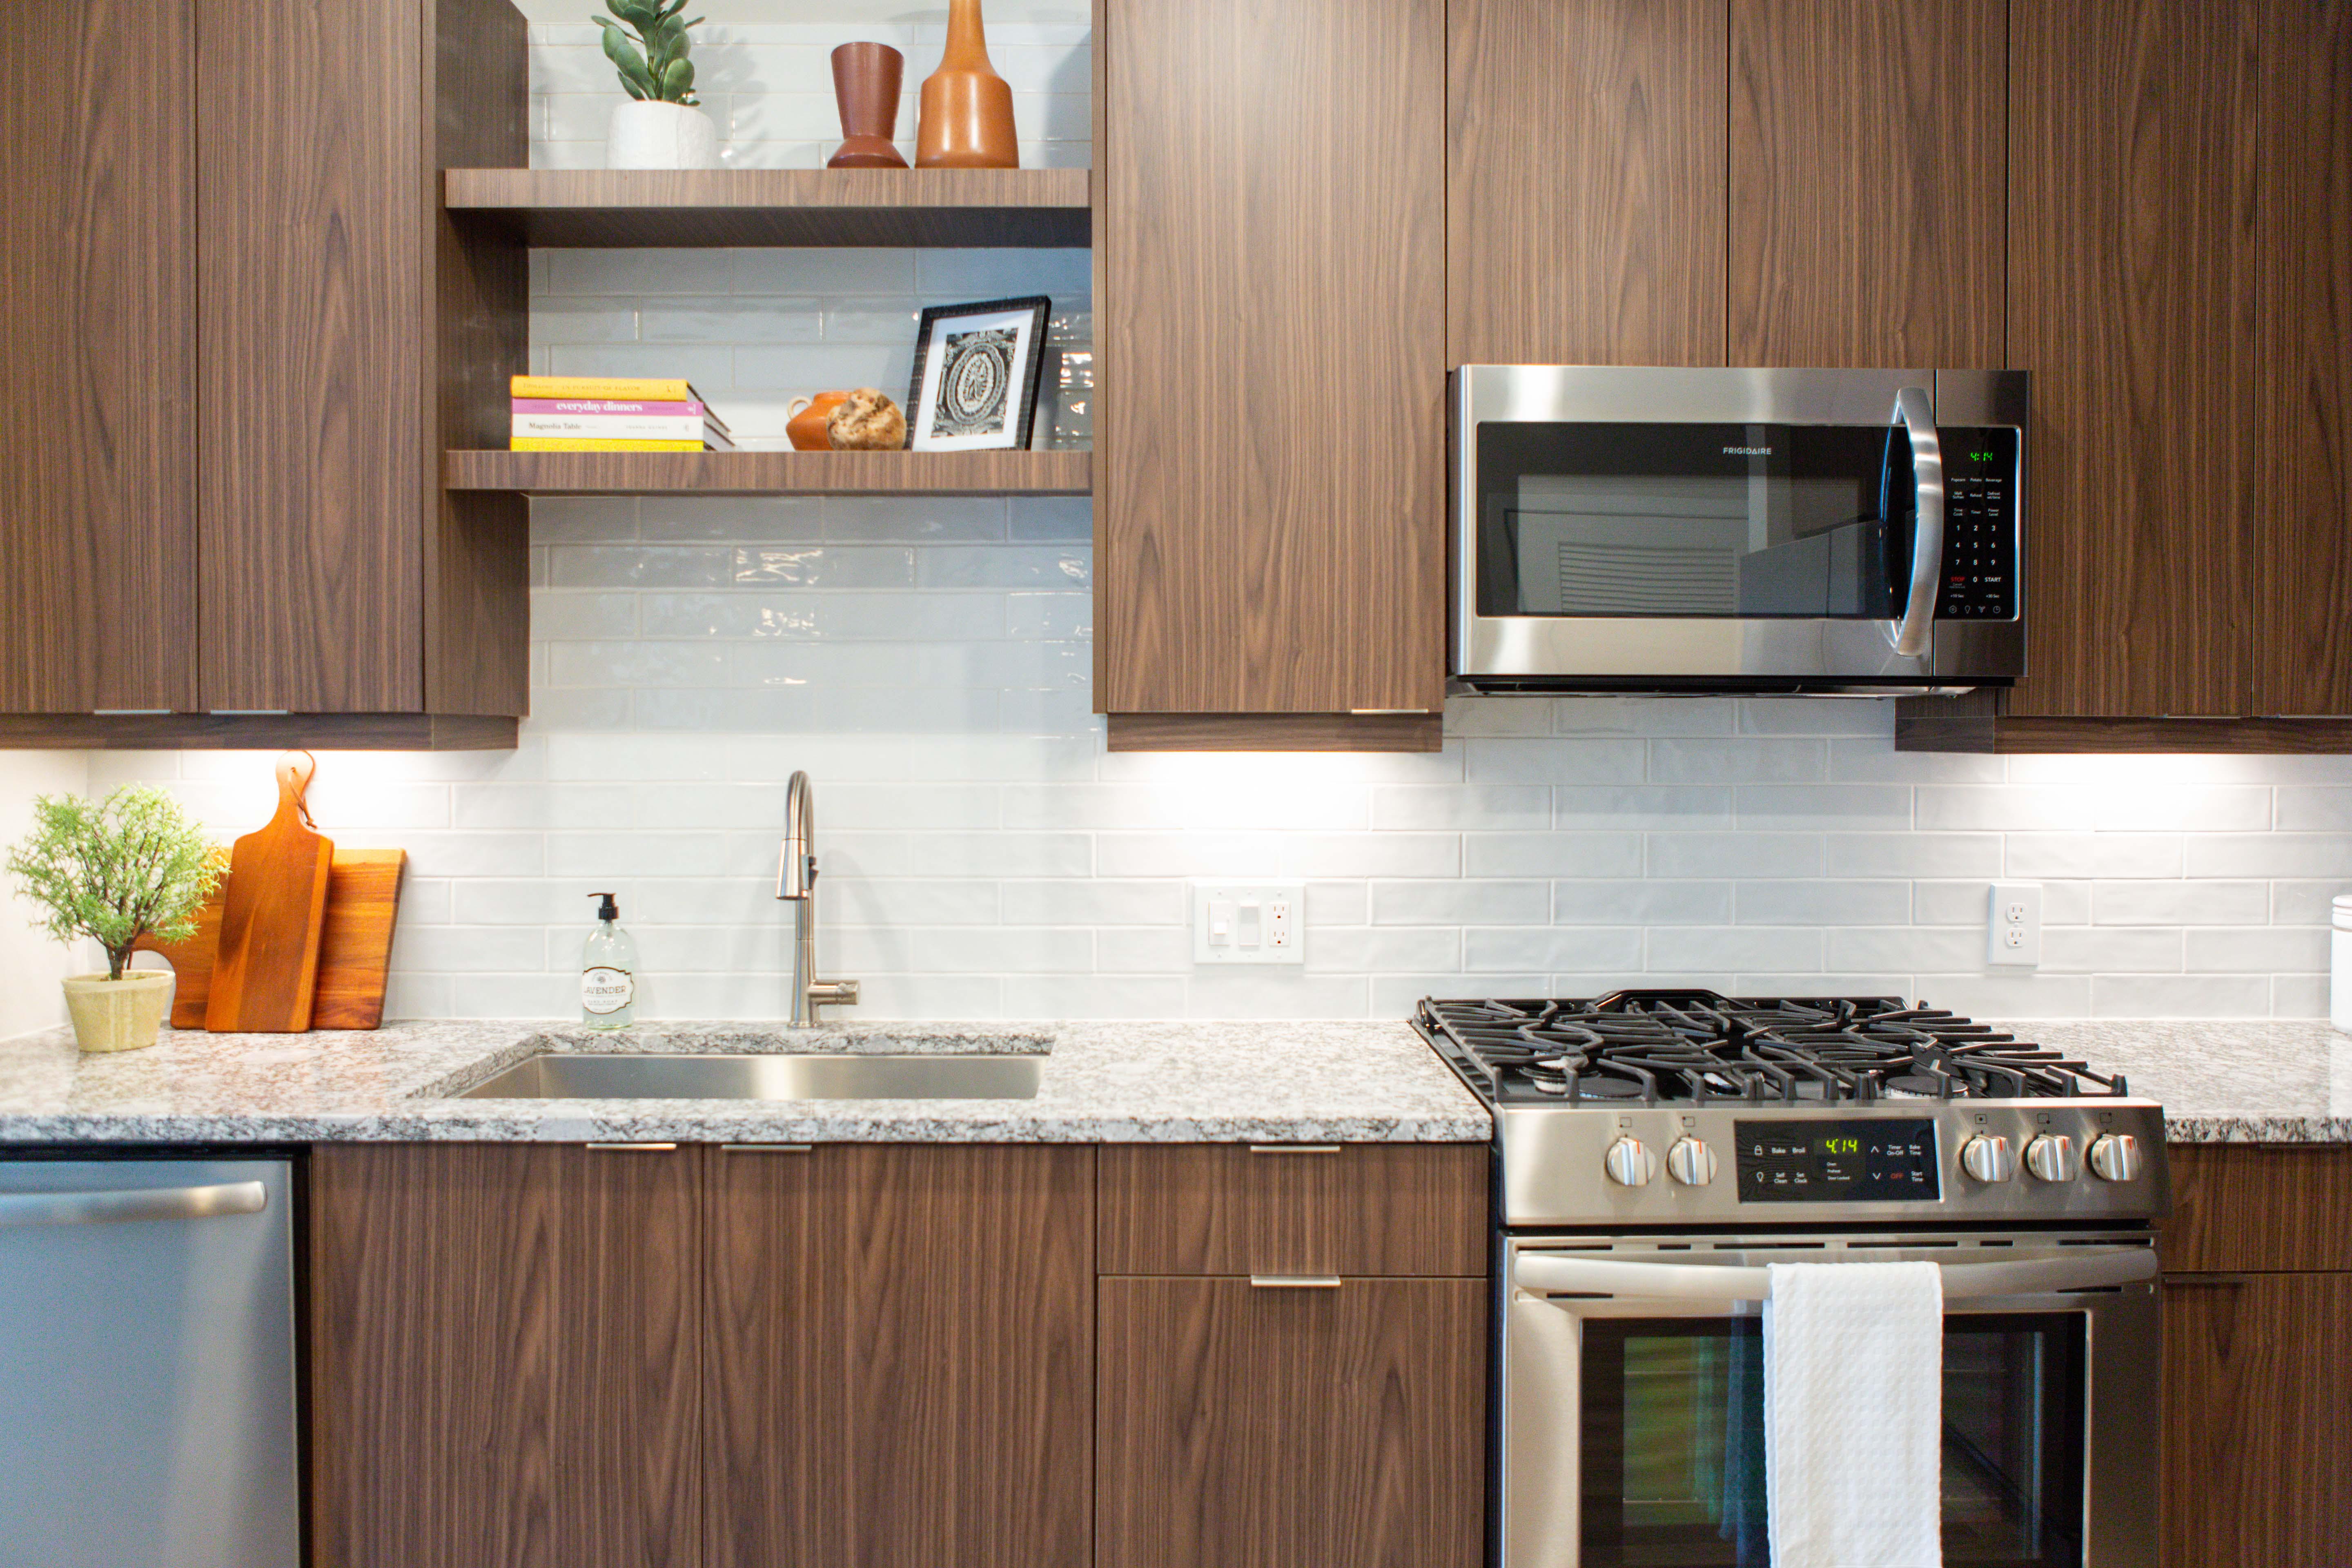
1705 1282
1918 623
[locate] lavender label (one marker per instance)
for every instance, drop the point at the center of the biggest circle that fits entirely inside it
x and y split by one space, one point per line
606 990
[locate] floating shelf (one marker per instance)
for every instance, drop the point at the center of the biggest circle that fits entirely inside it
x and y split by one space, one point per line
602 208
772 473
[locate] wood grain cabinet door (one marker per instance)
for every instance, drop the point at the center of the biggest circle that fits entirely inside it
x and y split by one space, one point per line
1585 182
2131 301
2257 1399
1868 180
1241 1427
506 1356
901 1356
1271 246
98 363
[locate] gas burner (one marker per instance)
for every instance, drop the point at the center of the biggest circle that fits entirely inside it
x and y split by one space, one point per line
1697 1047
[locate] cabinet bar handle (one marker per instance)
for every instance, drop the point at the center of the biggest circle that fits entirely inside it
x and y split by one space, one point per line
1294 1282
767 1148
138 1203
1294 1147
633 1148
2211 1281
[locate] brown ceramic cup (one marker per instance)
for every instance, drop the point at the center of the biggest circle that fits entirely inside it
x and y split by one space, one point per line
865 79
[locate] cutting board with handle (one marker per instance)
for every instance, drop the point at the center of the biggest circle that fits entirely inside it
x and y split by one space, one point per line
354 945
265 967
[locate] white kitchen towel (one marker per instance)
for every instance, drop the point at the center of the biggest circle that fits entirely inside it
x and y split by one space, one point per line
1853 1414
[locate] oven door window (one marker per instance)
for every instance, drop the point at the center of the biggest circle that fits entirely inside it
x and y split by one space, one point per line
1673 1442
1740 522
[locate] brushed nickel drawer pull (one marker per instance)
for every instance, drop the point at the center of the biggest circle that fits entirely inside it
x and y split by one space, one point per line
633 1148
767 1148
1294 1282
1294 1147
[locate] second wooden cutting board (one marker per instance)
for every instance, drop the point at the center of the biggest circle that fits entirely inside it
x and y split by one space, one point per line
266 970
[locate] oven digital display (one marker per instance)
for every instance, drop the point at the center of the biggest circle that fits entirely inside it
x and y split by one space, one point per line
1837 1162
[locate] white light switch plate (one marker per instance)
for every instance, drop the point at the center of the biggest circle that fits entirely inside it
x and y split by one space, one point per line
1249 922
2013 925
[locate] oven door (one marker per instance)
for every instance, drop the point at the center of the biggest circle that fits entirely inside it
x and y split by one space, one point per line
1620 528
1632 1421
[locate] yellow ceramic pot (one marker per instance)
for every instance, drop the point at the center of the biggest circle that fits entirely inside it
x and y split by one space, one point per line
119 1015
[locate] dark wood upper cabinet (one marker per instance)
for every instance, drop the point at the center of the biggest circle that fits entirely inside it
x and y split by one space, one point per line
98 363
1271 253
1285 1427
1585 181
2303 467
244 380
1868 171
507 1348
901 1356
2131 265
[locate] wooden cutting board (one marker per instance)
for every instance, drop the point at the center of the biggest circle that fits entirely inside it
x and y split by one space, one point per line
354 945
265 967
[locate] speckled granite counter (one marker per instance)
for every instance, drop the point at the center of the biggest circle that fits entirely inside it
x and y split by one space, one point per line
2223 1080
1145 1082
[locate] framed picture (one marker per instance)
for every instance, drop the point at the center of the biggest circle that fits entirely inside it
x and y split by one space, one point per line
976 375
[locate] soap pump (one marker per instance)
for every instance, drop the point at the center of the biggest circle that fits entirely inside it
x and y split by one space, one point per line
608 971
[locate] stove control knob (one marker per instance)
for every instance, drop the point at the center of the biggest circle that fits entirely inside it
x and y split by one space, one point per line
1629 1163
2116 1157
1690 1162
2051 1157
1987 1159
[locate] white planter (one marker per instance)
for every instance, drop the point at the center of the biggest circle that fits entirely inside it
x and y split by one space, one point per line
122 1015
645 135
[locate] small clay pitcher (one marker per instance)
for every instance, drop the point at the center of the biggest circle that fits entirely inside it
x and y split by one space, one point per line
966 121
866 88
805 429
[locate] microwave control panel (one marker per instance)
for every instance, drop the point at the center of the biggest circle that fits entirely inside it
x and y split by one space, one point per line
1830 1162
1980 505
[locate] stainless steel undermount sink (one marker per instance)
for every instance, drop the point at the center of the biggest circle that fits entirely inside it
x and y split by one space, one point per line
564 1074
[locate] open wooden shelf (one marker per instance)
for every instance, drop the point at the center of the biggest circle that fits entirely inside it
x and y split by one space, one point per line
586 208
772 473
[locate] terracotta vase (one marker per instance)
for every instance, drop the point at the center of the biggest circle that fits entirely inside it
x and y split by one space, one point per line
805 429
967 110
866 88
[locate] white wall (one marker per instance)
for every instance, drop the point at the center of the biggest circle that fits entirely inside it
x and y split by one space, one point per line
30 963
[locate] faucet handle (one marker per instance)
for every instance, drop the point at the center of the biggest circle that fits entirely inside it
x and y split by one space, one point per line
833 993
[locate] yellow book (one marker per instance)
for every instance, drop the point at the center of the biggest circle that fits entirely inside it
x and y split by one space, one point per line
616 388
589 444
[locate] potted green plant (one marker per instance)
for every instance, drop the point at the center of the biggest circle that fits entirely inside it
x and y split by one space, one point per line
661 126
116 870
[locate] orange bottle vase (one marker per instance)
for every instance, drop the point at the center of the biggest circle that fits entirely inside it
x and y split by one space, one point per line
966 118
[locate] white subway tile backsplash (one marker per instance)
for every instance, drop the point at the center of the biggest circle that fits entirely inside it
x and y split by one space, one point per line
1736 761
2200 902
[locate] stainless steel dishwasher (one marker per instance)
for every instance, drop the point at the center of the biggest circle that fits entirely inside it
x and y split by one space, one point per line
147 1393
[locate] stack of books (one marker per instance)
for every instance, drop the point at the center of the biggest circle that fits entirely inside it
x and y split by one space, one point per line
607 414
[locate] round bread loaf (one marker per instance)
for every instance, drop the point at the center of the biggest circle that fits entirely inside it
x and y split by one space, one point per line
868 422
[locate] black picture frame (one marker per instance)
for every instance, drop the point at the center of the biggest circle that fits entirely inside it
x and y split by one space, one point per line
1021 395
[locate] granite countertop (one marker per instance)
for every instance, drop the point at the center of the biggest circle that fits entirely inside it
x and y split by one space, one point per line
1099 1082
2223 1080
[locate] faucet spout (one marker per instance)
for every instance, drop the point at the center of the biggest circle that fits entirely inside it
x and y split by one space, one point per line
796 883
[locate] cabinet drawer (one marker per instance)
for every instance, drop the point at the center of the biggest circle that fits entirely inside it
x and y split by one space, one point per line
1293 1209
2253 1207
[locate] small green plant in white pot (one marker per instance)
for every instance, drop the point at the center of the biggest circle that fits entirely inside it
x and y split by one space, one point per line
116 870
662 126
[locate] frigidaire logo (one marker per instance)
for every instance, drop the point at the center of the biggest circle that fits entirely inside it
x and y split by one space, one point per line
1747 451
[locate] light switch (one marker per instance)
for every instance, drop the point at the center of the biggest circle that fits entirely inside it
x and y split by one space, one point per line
1248 922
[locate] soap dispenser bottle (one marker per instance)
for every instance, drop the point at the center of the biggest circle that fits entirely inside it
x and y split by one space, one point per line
608 971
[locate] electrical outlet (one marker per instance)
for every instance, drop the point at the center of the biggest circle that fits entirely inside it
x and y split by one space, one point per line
2013 925
1248 922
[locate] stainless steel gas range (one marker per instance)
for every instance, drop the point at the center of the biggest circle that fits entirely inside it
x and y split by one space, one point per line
1656 1148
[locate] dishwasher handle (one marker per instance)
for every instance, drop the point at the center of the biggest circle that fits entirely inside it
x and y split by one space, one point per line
145 1203
1705 1282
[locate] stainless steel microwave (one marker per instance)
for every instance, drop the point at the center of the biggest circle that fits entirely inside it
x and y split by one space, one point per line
1636 528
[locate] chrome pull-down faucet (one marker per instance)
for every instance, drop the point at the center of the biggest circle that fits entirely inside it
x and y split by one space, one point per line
797 881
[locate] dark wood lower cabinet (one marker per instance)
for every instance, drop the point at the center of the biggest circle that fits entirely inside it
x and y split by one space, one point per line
1242 1426
506 1356
2258 1397
901 1358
